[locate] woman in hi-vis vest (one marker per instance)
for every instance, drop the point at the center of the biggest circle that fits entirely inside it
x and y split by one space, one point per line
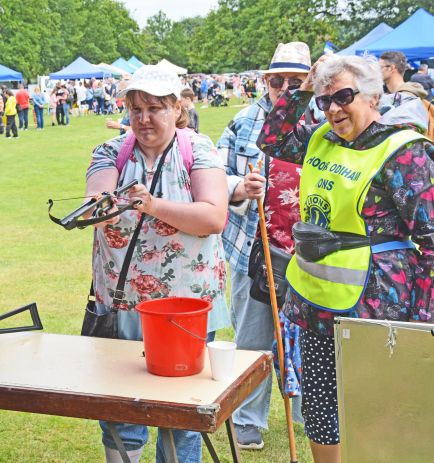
366 176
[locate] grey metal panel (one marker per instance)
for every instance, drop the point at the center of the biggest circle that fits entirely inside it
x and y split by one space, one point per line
385 374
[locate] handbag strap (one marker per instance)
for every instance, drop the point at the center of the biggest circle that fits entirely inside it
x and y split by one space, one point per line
119 293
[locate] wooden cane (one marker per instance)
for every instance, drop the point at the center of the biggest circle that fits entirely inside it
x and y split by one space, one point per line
275 310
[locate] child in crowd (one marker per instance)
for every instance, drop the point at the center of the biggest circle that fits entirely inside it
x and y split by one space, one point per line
187 97
10 113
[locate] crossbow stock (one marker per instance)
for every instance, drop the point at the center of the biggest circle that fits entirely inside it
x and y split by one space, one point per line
99 205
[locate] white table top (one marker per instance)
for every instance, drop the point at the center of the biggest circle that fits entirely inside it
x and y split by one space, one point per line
96 366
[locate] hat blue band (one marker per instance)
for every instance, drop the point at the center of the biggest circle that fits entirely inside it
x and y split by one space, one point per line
289 65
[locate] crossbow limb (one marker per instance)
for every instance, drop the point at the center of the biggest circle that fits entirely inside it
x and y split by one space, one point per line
100 205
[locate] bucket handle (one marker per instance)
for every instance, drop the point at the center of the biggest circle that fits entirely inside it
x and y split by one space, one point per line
187 331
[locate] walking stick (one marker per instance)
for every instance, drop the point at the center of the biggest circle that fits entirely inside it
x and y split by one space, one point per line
275 310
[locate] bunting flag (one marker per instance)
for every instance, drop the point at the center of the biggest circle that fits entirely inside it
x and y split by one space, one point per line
330 47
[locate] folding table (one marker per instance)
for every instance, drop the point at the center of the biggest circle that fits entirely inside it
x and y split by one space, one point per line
106 379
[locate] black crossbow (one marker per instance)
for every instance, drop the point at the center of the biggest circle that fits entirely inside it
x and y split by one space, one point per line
100 204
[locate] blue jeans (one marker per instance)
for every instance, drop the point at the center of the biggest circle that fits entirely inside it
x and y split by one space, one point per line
23 117
66 112
39 117
188 443
254 330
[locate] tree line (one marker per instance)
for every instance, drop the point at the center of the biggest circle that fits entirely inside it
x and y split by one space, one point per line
44 36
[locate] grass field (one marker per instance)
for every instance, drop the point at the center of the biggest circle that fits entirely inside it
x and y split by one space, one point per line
41 262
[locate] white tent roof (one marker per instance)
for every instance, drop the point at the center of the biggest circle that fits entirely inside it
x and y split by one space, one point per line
174 67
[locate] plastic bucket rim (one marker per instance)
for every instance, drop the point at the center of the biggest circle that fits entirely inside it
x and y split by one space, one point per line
149 311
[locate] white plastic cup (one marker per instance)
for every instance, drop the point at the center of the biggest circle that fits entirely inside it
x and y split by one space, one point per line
221 357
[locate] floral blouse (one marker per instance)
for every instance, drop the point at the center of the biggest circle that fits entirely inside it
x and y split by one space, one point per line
399 203
281 206
166 261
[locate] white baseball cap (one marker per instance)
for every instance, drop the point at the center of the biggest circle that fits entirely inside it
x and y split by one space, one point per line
156 80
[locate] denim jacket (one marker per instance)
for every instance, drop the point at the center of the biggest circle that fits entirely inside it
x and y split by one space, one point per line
237 148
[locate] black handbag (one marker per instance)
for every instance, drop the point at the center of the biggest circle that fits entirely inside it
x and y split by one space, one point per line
258 273
106 325
257 270
100 326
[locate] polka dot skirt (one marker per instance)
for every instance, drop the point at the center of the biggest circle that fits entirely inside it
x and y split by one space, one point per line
320 405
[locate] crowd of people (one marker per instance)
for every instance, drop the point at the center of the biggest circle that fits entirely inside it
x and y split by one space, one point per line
359 135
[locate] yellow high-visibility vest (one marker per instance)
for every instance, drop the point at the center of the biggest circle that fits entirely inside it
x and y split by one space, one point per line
333 188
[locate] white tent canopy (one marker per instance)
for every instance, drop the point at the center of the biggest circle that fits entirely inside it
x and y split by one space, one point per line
173 67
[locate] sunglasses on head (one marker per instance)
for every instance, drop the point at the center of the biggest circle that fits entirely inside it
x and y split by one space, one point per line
341 98
277 82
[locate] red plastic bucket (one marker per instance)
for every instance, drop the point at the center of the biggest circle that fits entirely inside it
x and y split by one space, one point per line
174 334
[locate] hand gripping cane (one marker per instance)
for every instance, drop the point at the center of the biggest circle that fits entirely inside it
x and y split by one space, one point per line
275 309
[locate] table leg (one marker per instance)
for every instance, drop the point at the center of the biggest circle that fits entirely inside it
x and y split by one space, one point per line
210 447
168 445
230 428
119 443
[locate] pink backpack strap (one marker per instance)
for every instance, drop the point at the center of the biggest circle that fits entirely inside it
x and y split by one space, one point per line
185 147
184 144
126 150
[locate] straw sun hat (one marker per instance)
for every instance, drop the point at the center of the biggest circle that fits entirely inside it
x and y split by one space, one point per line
290 57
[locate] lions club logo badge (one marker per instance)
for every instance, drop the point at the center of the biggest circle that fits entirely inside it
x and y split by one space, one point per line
317 210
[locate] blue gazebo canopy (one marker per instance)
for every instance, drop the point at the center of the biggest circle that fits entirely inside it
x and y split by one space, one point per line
380 31
7 74
414 37
125 65
133 61
80 69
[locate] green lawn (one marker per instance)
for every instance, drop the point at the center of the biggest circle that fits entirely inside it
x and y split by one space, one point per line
41 262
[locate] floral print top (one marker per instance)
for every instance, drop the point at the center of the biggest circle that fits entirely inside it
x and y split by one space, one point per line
281 205
166 262
399 203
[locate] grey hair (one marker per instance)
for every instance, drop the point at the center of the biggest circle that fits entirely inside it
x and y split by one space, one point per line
366 72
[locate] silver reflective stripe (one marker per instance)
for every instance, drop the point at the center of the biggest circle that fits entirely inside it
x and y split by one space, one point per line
345 276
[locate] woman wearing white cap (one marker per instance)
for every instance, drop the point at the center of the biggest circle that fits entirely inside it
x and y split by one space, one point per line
178 250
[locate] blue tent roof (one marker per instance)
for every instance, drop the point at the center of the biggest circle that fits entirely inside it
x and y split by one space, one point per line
80 69
123 64
380 31
414 37
7 74
133 61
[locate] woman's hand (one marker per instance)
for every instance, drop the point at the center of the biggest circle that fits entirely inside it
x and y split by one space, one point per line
140 193
307 84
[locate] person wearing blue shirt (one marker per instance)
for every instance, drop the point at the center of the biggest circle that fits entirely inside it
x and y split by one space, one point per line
38 105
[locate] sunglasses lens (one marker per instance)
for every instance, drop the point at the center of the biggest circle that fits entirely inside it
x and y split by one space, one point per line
344 96
323 102
276 82
341 98
294 84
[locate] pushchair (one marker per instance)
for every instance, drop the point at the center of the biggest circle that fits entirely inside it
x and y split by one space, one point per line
219 100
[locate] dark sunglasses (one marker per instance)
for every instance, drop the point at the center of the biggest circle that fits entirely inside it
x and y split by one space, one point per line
277 82
341 98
